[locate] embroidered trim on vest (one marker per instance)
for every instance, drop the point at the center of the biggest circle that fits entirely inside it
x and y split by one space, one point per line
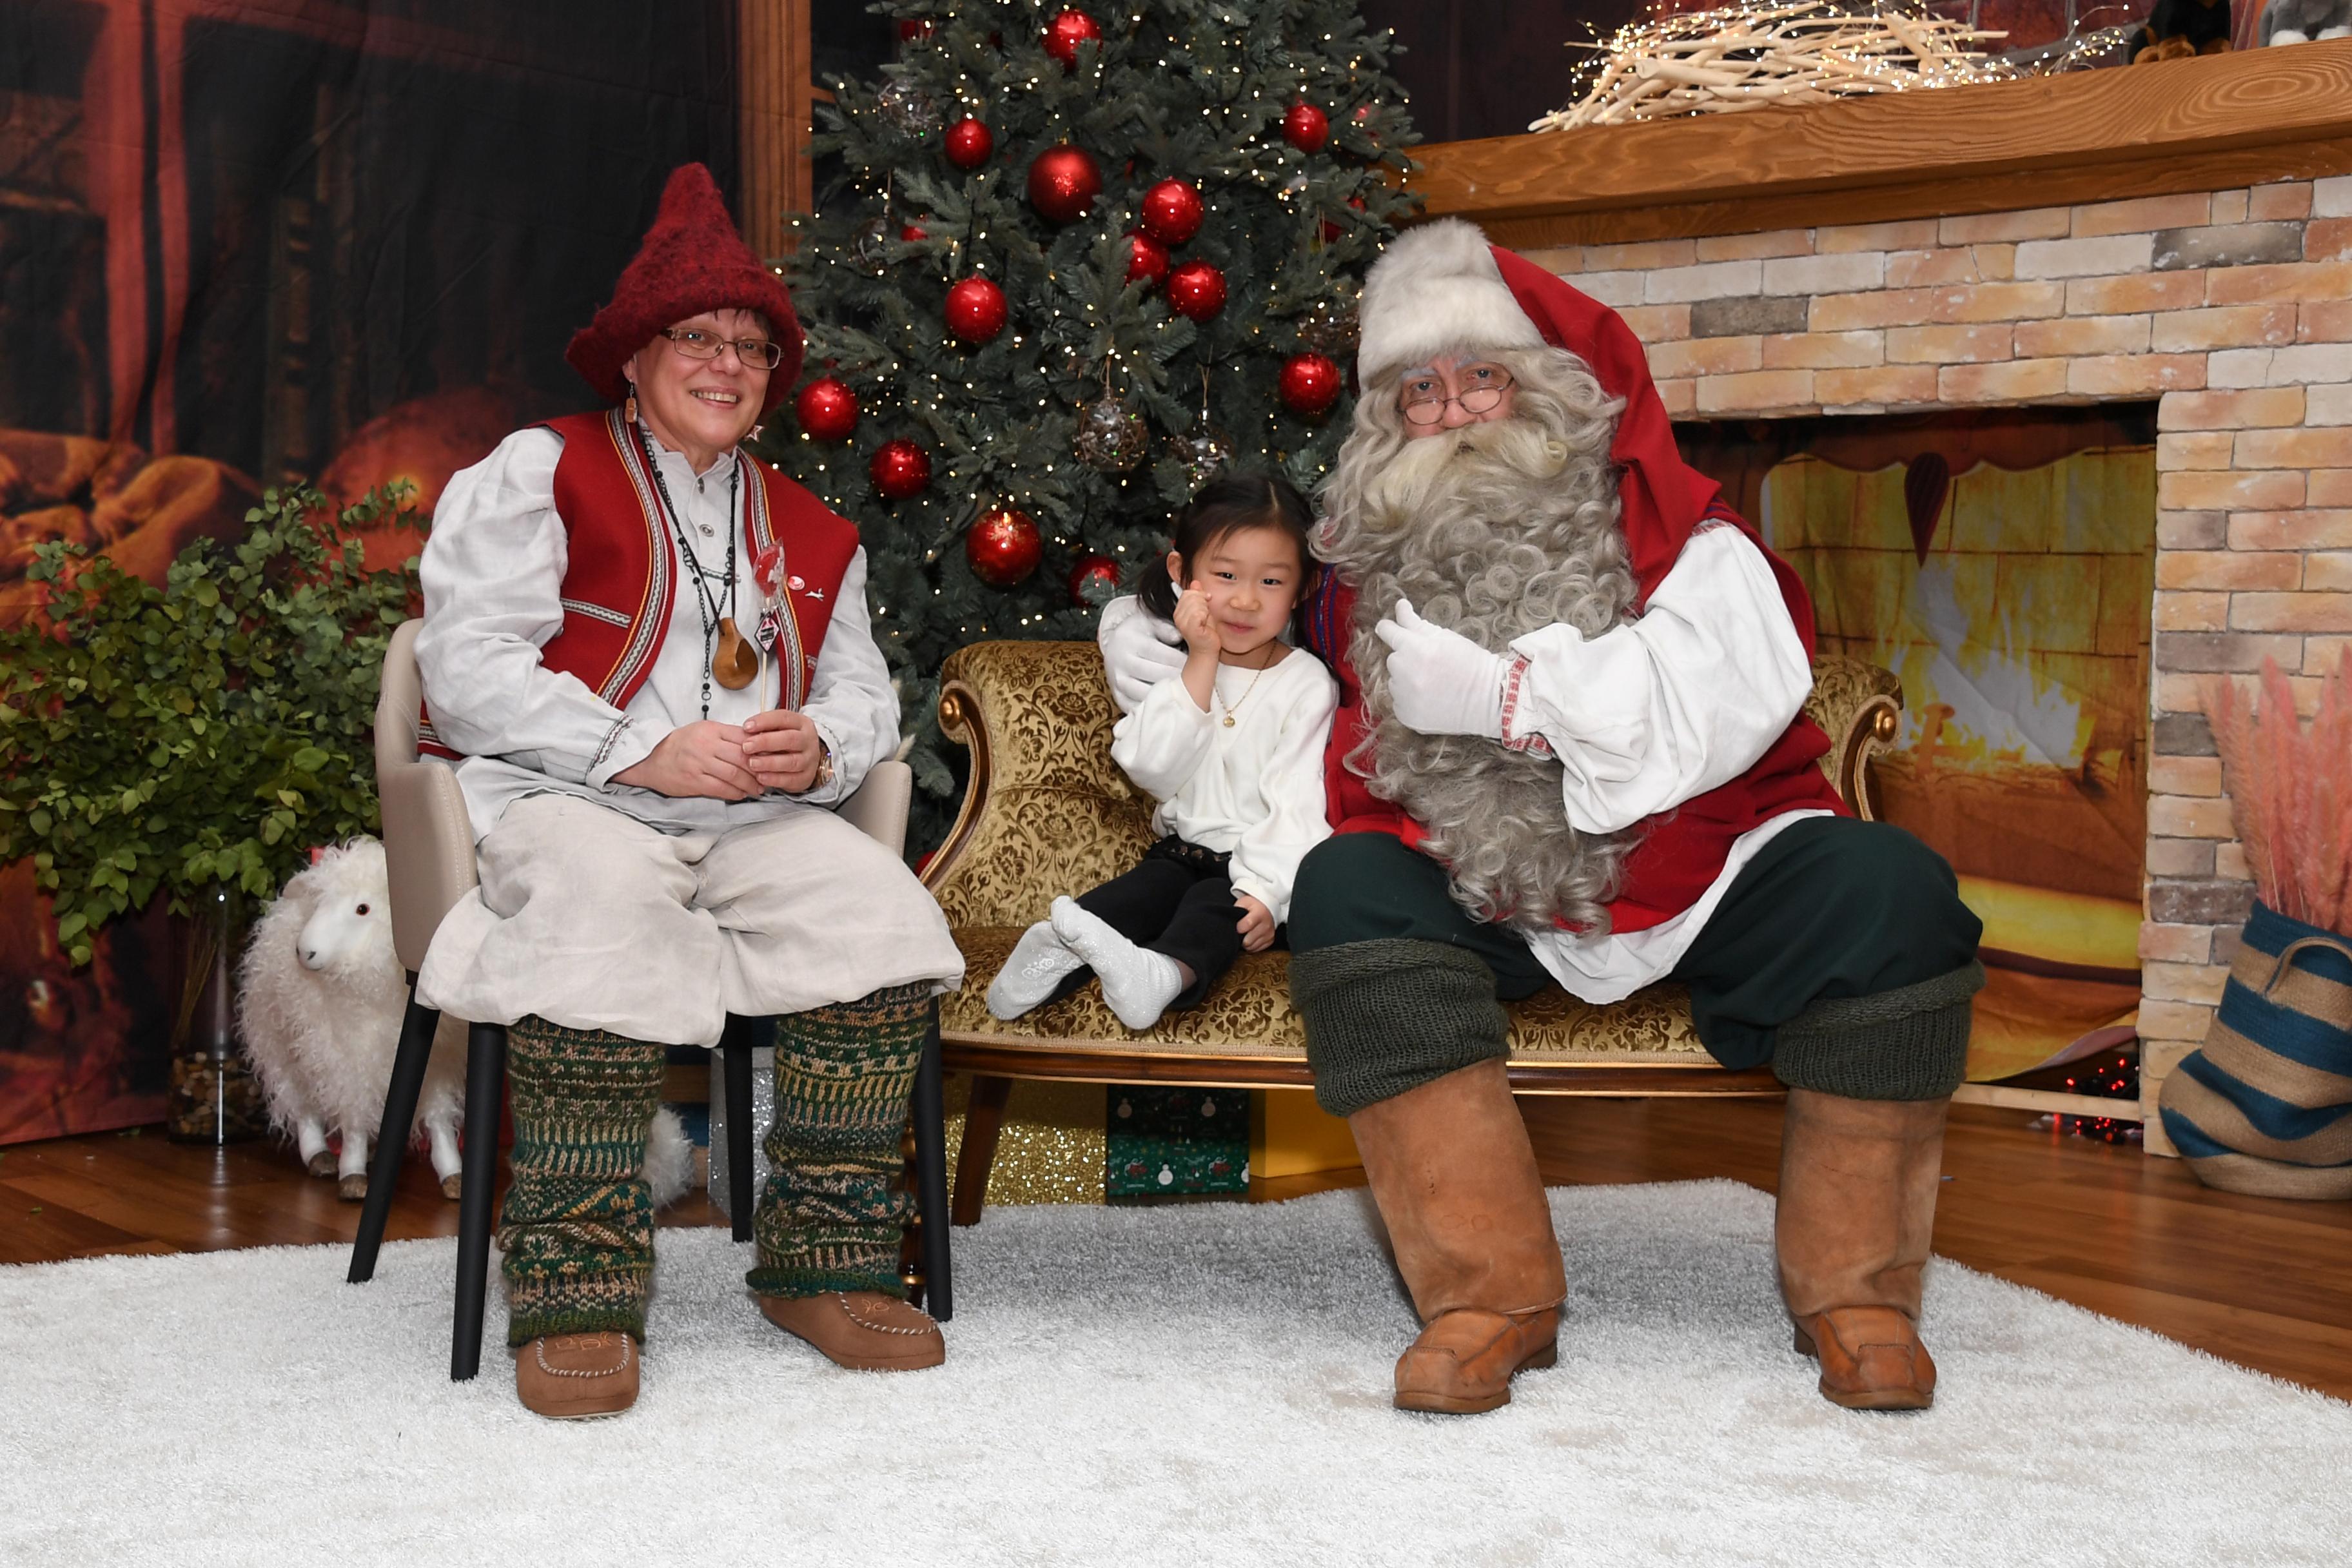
791 661
596 612
646 636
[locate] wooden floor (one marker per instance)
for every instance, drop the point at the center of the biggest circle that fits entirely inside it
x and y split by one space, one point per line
2266 1283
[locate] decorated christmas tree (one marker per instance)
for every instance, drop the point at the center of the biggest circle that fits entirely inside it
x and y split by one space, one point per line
1070 262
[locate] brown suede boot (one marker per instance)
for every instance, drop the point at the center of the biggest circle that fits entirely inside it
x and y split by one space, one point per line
575 1377
1456 1179
1857 1214
864 1331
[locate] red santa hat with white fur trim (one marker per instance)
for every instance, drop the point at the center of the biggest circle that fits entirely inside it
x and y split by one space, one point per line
1442 287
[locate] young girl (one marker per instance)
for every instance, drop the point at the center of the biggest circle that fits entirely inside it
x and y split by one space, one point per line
1234 752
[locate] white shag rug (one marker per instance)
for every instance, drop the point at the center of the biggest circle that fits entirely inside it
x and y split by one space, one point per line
1203 1385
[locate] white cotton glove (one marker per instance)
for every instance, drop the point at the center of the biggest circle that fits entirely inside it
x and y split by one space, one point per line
1440 682
1138 651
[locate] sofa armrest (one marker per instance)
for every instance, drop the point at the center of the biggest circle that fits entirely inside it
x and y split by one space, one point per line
1860 707
1046 812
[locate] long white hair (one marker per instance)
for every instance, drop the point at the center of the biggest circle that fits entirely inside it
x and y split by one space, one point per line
1495 529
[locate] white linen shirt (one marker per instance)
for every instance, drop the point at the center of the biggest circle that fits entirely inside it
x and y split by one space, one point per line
1252 790
493 575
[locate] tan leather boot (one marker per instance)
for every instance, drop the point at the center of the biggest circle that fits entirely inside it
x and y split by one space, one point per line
575 1377
864 1331
1456 1180
1857 1214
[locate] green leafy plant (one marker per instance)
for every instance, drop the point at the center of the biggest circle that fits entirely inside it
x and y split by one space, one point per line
205 733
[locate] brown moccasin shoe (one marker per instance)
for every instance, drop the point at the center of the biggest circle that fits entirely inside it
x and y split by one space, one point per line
1463 1362
865 1331
572 1377
1871 1358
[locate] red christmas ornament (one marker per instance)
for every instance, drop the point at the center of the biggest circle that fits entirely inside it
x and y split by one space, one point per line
914 28
1309 383
911 233
1067 31
1171 212
901 468
1064 182
1003 547
1146 259
975 309
1332 231
1097 572
969 144
1306 128
827 409
1197 289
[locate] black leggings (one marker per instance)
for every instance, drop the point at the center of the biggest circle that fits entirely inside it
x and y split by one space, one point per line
1179 902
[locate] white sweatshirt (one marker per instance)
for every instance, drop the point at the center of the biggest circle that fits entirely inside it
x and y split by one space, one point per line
1253 789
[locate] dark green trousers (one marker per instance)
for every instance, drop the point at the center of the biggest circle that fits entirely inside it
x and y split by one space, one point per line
1840 954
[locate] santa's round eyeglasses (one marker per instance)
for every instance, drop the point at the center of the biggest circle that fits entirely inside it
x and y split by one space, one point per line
1483 398
696 344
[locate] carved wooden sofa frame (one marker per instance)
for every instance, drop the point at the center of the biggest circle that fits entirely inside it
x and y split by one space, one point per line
1047 811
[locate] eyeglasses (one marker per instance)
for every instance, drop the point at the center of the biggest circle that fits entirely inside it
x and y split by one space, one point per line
1482 398
696 344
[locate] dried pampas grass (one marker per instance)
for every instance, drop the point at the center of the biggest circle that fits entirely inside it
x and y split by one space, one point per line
2290 790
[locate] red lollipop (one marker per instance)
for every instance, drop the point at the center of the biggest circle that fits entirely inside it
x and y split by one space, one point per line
1068 29
1147 261
975 310
1171 212
1196 289
1306 128
1064 182
969 144
1309 383
827 409
901 468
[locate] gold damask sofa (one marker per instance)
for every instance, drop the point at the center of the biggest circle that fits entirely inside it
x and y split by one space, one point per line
1047 811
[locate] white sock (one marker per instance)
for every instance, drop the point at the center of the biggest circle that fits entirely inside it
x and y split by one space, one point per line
1038 963
1137 982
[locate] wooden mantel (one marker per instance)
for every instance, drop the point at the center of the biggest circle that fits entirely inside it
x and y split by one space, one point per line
2138 131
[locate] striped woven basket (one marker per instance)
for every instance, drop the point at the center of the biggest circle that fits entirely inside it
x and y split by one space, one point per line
2266 1106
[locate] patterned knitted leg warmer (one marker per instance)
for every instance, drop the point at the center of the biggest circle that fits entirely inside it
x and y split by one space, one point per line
828 1218
578 1229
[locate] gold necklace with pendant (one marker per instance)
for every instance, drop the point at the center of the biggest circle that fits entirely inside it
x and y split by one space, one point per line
1234 706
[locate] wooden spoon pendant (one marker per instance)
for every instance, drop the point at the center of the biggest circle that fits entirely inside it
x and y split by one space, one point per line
735 663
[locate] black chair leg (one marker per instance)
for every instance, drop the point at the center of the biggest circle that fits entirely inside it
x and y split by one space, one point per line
735 1056
931 1176
408 1064
486 1082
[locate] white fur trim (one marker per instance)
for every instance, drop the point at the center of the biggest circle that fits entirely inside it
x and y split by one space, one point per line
1437 288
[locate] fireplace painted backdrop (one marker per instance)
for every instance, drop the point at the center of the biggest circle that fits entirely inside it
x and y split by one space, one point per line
2229 310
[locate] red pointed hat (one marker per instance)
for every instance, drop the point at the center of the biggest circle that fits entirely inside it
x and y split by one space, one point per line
692 261
1443 286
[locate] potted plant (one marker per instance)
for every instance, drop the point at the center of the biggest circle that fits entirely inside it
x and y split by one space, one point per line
2265 1105
193 741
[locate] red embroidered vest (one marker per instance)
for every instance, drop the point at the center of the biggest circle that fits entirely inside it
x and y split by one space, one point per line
620 577
1681 852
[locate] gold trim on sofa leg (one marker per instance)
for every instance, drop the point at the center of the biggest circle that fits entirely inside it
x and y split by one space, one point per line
983 1121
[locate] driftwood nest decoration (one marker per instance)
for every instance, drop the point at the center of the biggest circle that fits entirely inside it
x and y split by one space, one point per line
1810 51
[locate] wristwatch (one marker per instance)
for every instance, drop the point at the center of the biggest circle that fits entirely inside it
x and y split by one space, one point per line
823 764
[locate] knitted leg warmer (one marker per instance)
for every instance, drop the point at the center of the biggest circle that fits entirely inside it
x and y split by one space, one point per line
1390 1015
1910 1042
578 1229
828 1218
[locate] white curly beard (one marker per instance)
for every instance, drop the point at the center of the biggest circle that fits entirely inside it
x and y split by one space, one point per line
1494 530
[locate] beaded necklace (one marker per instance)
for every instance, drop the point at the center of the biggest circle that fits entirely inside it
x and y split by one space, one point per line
726 652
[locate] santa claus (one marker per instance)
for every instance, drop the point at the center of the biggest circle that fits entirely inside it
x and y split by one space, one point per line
1571 748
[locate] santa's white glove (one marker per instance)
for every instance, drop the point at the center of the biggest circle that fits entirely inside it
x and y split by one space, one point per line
1440 682
1140 650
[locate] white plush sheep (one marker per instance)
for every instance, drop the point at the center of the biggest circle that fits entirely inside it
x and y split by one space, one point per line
320 995
320 998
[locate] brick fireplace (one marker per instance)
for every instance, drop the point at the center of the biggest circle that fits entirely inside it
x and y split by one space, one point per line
2230 307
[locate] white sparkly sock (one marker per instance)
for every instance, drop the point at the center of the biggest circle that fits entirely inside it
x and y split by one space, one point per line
1039 962
1137 982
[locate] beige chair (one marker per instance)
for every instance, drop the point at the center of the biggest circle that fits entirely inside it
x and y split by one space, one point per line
428 844
1047 811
